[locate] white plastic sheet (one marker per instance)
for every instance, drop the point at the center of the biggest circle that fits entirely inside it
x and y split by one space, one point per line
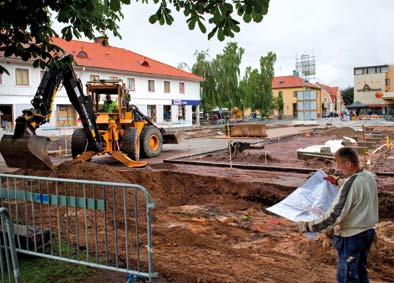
309 201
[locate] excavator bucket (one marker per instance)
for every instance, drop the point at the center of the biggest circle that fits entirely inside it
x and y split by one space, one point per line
26 152
172 138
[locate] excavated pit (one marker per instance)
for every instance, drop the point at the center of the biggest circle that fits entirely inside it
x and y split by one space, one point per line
210 224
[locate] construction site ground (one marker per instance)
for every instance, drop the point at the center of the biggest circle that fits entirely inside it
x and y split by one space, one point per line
210 224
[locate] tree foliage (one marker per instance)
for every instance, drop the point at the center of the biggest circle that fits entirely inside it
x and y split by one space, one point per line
227 73
26 27
203 67
224 88
279 104
348 95
264 102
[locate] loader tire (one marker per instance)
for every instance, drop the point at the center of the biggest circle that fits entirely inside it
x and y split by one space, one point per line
151 141
79 142
131 143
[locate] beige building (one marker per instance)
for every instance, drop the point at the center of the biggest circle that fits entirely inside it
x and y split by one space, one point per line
374 89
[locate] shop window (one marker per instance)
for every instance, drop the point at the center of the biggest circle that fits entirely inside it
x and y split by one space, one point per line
167 113
151 112
66 116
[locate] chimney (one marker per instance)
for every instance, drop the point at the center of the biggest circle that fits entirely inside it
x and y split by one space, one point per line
102 40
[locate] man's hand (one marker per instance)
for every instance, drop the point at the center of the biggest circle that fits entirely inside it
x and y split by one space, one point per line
331 179
326 242
301 226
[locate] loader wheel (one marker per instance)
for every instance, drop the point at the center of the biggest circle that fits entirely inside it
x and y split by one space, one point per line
79 141
131 143
151 141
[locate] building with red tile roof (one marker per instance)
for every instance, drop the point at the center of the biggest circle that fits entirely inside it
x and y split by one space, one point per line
301 99
96 55
169 95
336 101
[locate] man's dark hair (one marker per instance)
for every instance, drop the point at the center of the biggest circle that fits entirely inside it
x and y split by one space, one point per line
347 154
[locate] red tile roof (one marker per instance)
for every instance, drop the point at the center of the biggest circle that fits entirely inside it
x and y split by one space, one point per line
332 91
114 58
291 81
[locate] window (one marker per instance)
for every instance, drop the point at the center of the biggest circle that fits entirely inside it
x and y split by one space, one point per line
182 87
358 71
82 54
167 113
151 112
325 99
387 82
22 76
371 70
112 78
94 77
166 86
384 69
131 84
294 94
151 85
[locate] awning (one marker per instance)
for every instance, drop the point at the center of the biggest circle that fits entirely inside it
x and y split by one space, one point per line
356 105
375 105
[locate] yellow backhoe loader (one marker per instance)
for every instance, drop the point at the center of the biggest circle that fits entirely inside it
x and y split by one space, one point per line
125 133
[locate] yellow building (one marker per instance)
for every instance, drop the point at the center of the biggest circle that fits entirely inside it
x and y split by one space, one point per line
301 99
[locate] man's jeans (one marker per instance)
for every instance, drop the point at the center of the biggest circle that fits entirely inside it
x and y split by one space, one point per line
352 257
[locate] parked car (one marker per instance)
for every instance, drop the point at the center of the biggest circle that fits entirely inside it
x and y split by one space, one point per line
330 115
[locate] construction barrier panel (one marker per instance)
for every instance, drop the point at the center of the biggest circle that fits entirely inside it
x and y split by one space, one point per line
247 130
98 224
9 266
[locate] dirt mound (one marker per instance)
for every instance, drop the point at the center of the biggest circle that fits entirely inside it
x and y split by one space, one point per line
340 132
77 169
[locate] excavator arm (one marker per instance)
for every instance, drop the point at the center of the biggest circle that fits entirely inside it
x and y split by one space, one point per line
25 149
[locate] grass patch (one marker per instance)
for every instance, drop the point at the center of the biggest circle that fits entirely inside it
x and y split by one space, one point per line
38 270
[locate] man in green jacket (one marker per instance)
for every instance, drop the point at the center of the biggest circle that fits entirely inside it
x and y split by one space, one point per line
109 105
351 218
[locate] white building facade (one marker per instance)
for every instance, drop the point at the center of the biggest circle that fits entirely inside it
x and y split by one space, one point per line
171 97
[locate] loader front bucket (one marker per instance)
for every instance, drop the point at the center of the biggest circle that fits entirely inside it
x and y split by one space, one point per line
26 152
172 138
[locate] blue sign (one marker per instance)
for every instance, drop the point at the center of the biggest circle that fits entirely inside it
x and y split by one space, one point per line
185 102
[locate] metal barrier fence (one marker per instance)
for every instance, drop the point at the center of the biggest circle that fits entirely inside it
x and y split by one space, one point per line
98 224
8 258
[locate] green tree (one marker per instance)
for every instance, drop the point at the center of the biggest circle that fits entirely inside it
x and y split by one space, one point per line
264 101
227 75
26 27
348 95
203 68
250 87
278 104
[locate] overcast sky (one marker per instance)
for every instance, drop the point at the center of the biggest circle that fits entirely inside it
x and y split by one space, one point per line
340 34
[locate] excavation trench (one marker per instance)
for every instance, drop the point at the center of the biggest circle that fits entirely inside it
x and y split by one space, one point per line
210 225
